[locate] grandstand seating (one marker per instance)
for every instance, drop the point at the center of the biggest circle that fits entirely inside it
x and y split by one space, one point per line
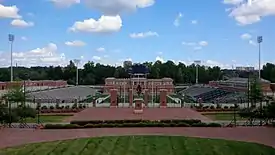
207 94
232 98
68 94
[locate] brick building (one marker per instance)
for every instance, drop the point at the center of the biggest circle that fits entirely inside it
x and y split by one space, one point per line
152 85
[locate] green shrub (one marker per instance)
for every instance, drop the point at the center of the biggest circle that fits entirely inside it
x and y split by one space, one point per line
131 123
191 121
181 124
214 125
61 126
201 124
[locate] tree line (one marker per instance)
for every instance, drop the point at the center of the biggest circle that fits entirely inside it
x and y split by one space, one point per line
95 73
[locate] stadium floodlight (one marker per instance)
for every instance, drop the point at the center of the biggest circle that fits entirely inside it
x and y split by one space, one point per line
76 61
197 63
11 40
259 40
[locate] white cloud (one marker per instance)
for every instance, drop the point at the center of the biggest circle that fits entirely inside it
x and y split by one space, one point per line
203 43
246 36
97 58
101 49
158 58
197 48
65 3
144 34
30 14
251 42
212 63
9 11
24 38
105 24
233 2
189 43
194 22
177 20
21 23
159 53
116 7
45 56
75 43
249 12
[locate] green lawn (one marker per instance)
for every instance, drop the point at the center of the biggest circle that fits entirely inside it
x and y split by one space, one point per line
141 145
47 119
222 116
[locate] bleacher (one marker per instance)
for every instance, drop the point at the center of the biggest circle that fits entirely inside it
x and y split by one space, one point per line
206 94
68 94
232 98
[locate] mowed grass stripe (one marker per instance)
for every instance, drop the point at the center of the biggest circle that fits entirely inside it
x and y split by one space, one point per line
25 149
179 145
61 147
141 145
92 146
106 146
45 148
121 145
74 147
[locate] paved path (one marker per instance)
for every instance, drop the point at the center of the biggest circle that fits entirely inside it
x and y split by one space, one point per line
128 113
14 137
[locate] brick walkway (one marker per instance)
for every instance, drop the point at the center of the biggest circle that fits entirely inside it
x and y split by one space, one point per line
128 113
14 137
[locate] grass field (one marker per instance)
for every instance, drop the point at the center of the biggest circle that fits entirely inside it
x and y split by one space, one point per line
141 145
222 116
47 119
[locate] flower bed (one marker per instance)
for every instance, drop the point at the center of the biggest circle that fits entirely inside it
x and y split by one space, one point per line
214 110
131 123
47 111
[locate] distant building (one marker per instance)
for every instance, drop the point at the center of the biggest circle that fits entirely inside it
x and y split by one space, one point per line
248 69
127 64
152 85
138 78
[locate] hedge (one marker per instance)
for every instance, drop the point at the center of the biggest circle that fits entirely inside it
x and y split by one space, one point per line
82 123
129 125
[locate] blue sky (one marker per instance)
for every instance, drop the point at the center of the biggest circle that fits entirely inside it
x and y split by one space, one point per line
218 32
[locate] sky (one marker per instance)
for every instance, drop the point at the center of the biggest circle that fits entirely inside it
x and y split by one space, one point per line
216 32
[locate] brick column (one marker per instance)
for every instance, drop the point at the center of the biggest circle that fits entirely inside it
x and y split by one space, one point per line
138 106
113 98
163 100
146 97
130 96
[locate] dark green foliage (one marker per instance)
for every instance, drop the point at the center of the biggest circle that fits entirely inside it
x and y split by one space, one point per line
131 123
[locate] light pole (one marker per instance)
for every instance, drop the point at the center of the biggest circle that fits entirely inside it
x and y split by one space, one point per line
11 40
259 40
76 61
197 63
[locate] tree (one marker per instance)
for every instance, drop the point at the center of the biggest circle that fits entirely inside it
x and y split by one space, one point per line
14 113
255 92
95 73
